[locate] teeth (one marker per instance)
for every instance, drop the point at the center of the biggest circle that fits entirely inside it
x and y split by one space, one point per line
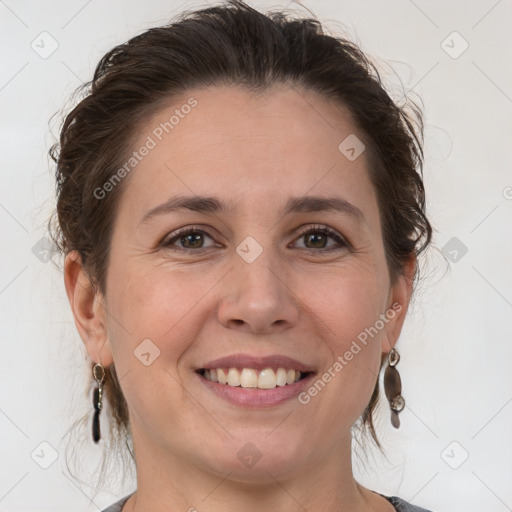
250 378
281 376
267 379
233 377
221 374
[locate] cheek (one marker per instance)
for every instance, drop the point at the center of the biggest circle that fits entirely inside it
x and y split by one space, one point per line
346 310
344 302
164 305
155 314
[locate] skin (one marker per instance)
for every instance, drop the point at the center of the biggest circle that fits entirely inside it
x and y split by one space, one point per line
253 153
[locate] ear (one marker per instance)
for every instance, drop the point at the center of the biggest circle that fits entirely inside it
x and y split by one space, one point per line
398 303
87 304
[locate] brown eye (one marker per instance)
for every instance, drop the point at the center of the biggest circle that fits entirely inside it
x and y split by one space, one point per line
315 240
320 239
192 241
189 239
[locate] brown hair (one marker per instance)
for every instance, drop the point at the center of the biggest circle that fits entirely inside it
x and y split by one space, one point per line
227 45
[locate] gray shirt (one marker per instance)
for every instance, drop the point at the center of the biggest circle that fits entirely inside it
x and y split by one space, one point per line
399 504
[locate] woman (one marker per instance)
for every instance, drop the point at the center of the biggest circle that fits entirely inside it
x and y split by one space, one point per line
241 208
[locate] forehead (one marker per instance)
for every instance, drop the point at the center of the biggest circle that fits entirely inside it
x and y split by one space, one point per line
229 141
230 116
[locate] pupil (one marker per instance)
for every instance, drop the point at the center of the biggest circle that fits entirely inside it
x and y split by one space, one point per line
316 240
191 241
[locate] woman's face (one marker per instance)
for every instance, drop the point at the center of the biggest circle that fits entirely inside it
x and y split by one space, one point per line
284 258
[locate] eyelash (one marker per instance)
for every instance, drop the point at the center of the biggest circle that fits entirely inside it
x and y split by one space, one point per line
341 242
325 230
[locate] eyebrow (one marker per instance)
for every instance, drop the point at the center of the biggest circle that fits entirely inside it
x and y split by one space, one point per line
200 204
212 205
309 204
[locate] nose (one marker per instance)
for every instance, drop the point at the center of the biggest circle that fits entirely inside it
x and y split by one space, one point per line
258 299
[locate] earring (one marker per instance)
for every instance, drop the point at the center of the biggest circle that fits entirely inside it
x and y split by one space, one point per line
393 387
98 372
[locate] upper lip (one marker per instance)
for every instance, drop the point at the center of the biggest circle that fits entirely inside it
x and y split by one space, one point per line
258 362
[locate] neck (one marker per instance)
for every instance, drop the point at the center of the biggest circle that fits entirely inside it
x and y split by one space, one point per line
166 482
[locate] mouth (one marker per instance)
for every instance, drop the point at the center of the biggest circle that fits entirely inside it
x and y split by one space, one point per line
251 378
255 382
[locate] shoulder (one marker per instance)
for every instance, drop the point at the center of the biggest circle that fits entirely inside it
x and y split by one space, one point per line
399 504
403 506
118 505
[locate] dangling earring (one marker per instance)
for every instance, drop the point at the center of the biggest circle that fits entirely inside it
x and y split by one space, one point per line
393 387
98 372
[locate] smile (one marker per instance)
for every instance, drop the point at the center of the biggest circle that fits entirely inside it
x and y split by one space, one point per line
268 378
255 381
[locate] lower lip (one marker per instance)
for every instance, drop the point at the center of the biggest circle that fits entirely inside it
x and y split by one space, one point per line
255 397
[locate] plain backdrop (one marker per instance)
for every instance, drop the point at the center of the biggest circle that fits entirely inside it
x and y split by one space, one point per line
453 452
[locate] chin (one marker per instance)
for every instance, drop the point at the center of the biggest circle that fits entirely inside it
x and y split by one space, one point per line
258 456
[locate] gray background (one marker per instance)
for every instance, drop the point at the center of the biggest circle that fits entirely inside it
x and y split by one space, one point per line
454 449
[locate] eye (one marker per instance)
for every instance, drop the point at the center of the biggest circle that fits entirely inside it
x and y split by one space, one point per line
188 239
316 238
